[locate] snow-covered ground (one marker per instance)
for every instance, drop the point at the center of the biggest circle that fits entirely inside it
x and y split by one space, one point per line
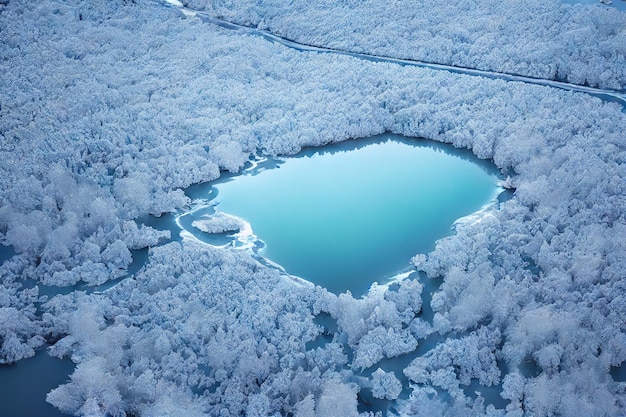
108 109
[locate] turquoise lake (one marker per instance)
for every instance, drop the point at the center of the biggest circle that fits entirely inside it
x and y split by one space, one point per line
350 214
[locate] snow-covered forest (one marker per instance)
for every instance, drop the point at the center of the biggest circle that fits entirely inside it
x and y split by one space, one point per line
544 39
109 109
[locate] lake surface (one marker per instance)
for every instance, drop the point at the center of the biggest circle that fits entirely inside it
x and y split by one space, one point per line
26 383
347 215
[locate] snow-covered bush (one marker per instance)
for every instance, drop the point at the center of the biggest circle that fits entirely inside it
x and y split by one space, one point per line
385 385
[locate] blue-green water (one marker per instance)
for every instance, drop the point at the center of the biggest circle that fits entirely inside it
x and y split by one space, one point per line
353 213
